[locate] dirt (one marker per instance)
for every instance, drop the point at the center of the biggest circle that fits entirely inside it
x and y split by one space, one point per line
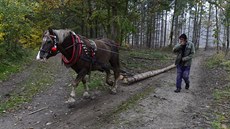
159 108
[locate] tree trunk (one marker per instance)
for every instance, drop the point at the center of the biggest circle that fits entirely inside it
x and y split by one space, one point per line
149 32
153 30
199 29
176 31
146 75
228 35
89 19
189 24
194 39
162 29
217 30
172 25
165 31
208 27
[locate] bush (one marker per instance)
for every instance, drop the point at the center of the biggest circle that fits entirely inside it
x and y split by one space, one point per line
215 60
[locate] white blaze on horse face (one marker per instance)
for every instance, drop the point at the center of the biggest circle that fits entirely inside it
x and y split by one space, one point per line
38 56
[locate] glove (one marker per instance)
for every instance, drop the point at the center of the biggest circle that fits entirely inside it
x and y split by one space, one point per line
183 58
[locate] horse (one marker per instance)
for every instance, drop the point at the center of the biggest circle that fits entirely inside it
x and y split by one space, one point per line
83 56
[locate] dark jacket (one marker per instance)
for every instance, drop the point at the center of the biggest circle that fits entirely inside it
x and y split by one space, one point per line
186 60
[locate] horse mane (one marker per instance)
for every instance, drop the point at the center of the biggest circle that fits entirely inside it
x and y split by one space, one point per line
62 34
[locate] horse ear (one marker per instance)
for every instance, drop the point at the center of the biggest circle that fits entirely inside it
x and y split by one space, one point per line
50 31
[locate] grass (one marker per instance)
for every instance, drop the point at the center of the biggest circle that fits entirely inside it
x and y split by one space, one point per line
215 60
13 62
129 103
38 81
222 102
222 94
96 82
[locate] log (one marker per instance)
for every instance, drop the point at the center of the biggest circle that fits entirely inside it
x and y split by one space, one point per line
142 76
144 58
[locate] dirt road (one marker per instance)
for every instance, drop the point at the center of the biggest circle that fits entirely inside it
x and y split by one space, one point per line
147 104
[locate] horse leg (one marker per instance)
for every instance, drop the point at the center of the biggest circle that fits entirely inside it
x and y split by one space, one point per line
74 85
86 92
116 77
108 74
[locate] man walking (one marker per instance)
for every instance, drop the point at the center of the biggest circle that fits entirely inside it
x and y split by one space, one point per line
185 51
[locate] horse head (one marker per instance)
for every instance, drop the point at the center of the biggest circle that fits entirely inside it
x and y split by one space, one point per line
49 45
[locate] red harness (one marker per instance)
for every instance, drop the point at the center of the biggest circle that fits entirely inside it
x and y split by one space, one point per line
74 58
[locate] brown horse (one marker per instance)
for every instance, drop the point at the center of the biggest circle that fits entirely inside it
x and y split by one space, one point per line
82 55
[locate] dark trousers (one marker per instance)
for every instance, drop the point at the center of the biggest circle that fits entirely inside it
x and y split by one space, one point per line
182 73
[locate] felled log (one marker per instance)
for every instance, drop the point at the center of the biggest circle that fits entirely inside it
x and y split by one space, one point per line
145 75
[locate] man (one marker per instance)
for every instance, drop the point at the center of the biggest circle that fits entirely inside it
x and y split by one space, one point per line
185 51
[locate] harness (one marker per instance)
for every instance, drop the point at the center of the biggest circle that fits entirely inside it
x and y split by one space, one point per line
80 50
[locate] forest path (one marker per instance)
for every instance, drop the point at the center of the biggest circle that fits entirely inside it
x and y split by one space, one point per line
153 105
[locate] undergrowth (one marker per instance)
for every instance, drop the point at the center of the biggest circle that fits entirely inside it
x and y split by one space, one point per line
12 61
222 93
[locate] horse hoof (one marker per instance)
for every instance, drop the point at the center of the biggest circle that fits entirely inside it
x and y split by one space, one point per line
110 83
71 105
70 100
86 95
114 91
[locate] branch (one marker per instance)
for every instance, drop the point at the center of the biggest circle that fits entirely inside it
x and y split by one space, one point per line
37 110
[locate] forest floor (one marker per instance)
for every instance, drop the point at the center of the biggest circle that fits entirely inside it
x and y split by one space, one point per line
148 104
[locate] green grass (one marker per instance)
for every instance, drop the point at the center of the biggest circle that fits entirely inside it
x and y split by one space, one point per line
215 60
222 94
129 103
222 98
96 81
38 81
13 62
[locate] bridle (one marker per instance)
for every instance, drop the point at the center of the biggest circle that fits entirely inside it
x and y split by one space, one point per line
56 48
53 39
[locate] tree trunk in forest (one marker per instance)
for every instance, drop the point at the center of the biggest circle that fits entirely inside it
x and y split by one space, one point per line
108 30
149 32
165 31
217 30
137 34
89 19
162 29
142 25
82 20
146 75
208 27
228 36
172 25
189 24
114 27
176 31
195 27
153 18
199 28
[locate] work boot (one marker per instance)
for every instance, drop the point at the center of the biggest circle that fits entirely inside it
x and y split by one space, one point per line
187 86
177 90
